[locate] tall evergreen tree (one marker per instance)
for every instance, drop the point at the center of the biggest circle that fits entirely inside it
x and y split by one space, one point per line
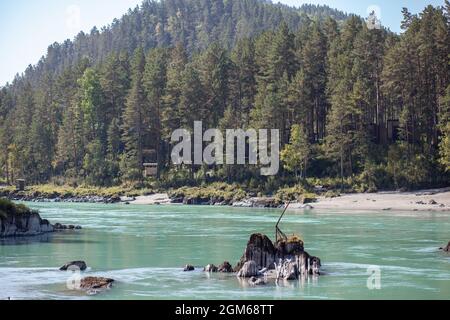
134 121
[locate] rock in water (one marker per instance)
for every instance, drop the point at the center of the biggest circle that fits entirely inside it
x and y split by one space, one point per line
210 268
288 249
315 265
248 270
95 283
60 227
293 261
288 270
259 249
226 267
23 224
81 265
188 268
447 248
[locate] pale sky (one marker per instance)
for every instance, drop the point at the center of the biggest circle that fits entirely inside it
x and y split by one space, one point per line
28 27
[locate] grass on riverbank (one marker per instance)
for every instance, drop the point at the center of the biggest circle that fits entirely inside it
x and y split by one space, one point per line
7 207
219 191
51 191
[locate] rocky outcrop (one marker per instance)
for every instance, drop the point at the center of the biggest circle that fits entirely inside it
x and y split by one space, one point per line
287 257
24 224
20 221
74 265
447 248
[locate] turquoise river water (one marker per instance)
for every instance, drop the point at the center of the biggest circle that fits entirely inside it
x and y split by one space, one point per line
145 248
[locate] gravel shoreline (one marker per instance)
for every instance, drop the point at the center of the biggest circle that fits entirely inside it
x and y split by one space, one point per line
426 200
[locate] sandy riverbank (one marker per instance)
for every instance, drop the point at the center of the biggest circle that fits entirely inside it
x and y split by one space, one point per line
426 200
154 199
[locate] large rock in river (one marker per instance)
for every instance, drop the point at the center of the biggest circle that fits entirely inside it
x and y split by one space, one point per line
95 283
287 256
261 250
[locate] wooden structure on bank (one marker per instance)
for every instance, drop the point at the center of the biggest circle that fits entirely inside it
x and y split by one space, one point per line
20 184
150 163
150 170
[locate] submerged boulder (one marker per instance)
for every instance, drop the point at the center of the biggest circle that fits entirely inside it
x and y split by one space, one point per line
81 265
287 256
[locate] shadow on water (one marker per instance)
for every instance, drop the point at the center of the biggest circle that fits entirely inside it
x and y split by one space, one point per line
14 241
44 238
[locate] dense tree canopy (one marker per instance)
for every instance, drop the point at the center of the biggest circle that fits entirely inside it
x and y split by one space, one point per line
349 100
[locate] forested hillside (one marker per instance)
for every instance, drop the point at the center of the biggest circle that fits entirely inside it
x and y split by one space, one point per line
193 23
360 104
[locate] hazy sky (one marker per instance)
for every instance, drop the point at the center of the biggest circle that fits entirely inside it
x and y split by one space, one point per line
28 27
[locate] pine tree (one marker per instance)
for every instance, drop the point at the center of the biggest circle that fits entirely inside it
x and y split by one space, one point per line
134 121
297 153
243 79
214 66
445 129
21 149
155 79
341 127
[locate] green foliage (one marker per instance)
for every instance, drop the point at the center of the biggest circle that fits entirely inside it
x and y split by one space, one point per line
445 129
96 109
220 192
294 193
409 168
374 177
296 154
8 208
